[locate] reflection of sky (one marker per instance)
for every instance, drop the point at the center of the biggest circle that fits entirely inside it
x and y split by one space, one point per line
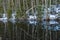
53 22
55 25
32 19
4 18
12 19
53 16
32 22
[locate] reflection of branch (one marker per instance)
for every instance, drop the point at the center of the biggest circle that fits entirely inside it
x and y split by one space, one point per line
29 34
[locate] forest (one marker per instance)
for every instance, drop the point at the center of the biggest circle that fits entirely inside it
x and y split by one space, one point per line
29 19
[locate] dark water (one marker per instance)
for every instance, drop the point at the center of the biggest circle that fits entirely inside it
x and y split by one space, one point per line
25 31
